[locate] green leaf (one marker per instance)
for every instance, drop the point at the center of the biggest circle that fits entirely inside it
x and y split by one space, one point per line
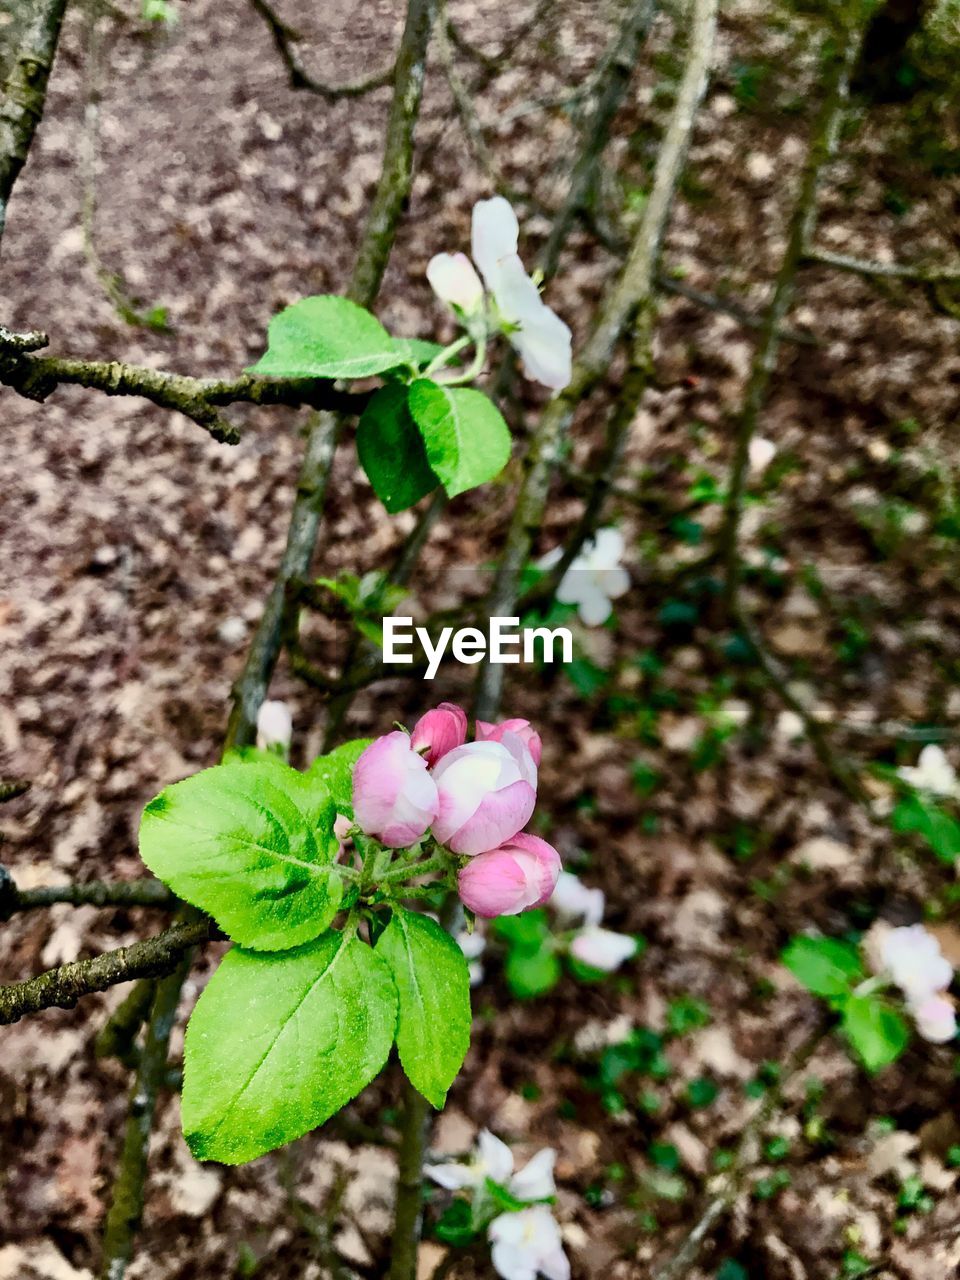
418 351
433 985
278 1043
918 814
327 337
310 793
467 440
824 966
877 1033
335 772
391 450
252 844
531 973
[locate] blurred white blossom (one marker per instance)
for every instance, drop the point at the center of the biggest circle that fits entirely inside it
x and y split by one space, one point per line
527 1244
473 946
574 900
933 773
602 948
761 453
274 726
493 1159
595 578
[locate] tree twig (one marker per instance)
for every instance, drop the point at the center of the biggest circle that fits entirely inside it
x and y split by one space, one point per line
25 92
408 1215
63 987
949 274
10 788
626 298
671 158
126 1207
394 186
285 37
717 1207
799 232
98 893
36 377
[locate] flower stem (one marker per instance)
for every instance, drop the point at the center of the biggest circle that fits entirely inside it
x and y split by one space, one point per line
446 355
407 871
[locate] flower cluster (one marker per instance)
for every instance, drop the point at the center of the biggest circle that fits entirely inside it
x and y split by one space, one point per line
595 578
591 945
913 959
474 797
524 1242
540 337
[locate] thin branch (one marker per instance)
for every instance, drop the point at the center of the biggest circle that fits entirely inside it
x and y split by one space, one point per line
730 307
799 232
117 1037
392 191
63 987
683 1260
408 1217
25 92
37 377
836 765
671 158
126 1207
98 893
285 37
629 295
949 274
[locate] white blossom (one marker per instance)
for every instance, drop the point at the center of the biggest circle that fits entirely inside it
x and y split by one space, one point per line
473 946
527 1244
454 280
913 958
274 726
571 898
493 1159
933 772
935 1018
761 452
602 948
595 578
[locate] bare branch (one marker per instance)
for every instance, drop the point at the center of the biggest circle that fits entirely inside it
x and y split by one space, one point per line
394 186
799 232
98 893
63 987
36 377
285 37
25 92
629 295
10 788
949 274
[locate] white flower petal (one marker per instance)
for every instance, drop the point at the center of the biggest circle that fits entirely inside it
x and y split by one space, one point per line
512 1262
595 607
555 1265
454 280
614 583
451 1176
608 547
545 345
495 234
496 1158
535 1179
602 948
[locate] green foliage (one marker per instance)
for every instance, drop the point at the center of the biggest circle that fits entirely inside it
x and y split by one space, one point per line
919 814
825 966
327 337
278 1043
368 600
392 452
877 1032
252 845
467 441
433 986
686 1014
532 967
334 771
832 969
159 11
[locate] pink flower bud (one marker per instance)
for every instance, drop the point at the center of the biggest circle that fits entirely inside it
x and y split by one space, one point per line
487 792
522 873
439 731
487 732
935 1018
394 797
453 279
602 948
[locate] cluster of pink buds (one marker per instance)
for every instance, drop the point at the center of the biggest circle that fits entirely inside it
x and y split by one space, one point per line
474 797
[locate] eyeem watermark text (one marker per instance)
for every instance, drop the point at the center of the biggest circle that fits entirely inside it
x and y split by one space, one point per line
504 641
